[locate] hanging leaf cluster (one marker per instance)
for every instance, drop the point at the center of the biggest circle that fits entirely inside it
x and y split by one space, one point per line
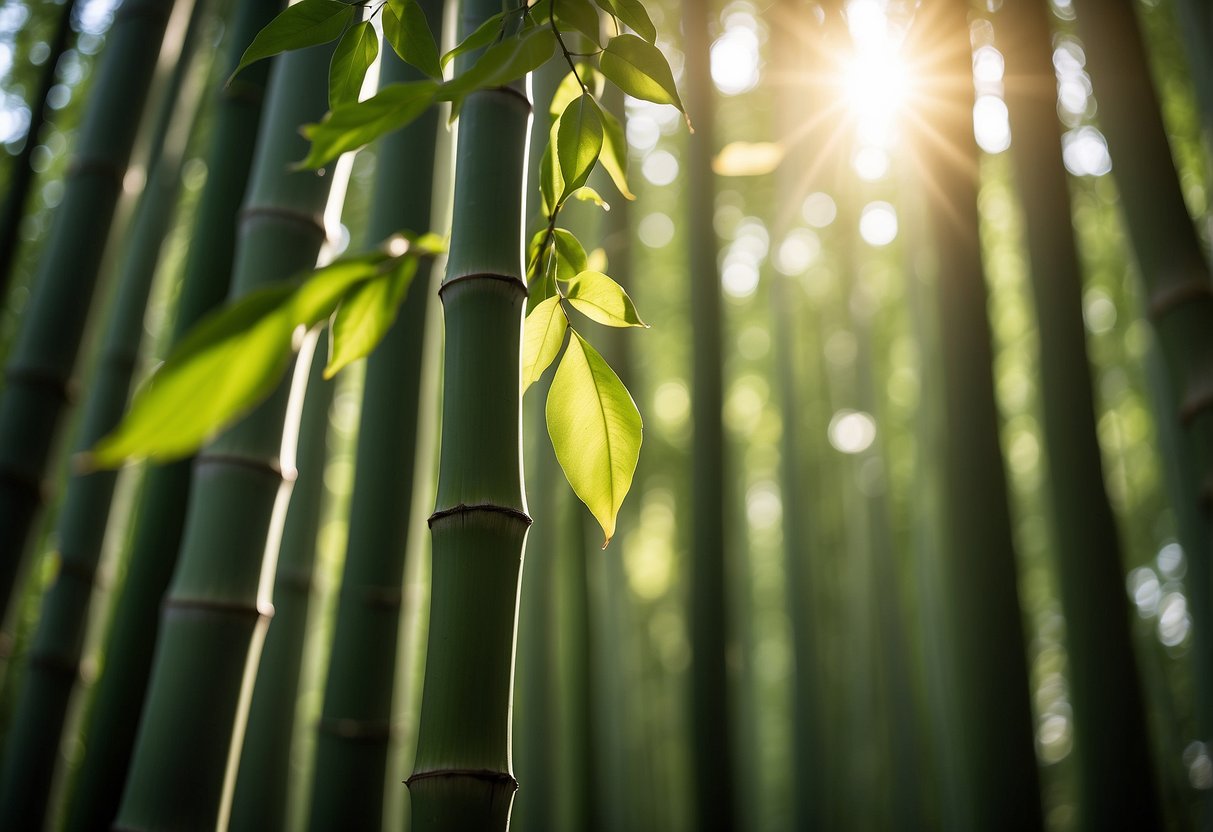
235 358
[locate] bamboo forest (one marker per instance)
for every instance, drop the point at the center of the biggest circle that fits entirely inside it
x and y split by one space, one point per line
606 415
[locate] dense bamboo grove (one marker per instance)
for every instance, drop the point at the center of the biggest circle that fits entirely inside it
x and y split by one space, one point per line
874 338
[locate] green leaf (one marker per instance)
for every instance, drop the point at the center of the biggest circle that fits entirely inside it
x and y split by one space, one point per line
485 34
231 360
596 431
639 69
366 314
631 13
578 142
582 16
228 363
551 182
351 126
614 156
570 255
308 23
354 55
587 194
408 32
502 63
542 335
601 299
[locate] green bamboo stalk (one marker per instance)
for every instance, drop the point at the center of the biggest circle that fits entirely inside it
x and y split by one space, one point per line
1175 276
31 750
355 724
712 757
1111 739
21 173
462 777
1001 781
787 56
217 608
260 798
119 695
38 384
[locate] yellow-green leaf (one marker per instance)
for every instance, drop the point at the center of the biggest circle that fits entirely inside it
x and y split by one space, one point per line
542 335
578 142
570 254
485 34
582 16
639 69
632 13
353 57
596 431
601 299
408 32
502 63
308 23
366 314
587 194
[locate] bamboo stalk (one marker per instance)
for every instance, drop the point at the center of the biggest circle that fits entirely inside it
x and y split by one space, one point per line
260 799
119 694
355 723
462 777
1001 782
217 608
32 748
1109 713
21 175
712 757
38 387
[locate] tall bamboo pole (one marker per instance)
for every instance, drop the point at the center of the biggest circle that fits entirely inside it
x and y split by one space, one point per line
355 723
38 387
118 699
1000 773
217 608
712 761
1174 272
1109 713
21 175
462 777
260 798
32 748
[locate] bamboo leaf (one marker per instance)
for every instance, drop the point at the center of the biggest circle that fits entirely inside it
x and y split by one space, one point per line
502 63
582 16
307 23
570 254
570 90
353 57
366 314
351 126
231 360
614 156
485 34
631 13
639 69
542 335
587 194
601 299
408 32
227 364
551 181
578 142
596 431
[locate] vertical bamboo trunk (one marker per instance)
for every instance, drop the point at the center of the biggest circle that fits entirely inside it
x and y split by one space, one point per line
38 388
713 763
218 605
119 695
1109 714
355 723
32 748
1000 772
462 777
21 174
260 798
1174 273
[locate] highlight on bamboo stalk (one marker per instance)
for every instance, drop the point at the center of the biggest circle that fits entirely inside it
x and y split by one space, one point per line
594 425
